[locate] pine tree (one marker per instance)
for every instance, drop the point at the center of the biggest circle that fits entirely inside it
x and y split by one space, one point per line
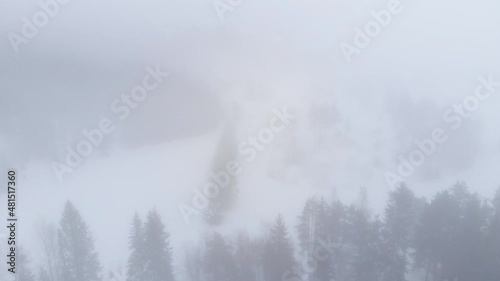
338 236
219 261
323 235
306 226
401 215
278 253
450 236
491 248
78 258
433 233
468 250
158 262
136 261
223 201
464 252
363 246
247 257
194 263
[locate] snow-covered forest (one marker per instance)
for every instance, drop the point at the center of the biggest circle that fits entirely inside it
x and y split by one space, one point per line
454 236
249 140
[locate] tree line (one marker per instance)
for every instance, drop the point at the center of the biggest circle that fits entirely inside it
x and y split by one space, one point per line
453 236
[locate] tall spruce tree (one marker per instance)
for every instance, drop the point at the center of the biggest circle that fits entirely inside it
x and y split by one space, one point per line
248 257
338 235
278 254
78 258
468 250
324 235
450 236
194 263
362 240
307 225
401 215
433 233
136 262
219 261
464 252
491 248
158 262
226 151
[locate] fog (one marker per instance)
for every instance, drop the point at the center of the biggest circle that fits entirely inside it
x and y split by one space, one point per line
218 78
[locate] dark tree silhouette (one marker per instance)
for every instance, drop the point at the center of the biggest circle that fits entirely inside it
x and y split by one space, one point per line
137 259
78 258
278 253
158 262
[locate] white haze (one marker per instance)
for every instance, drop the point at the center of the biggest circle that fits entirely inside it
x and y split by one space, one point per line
265 55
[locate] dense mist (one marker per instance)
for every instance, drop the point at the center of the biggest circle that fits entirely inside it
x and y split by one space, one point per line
250 140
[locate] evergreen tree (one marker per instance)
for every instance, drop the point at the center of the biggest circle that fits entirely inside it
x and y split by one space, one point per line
278 253
194 263
307 225
401 215
491 260
136 261
219 261
247 257
78 258
158 261
450 236
363 246
468 251
324 233
433 233
338 235
464 251
222 202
